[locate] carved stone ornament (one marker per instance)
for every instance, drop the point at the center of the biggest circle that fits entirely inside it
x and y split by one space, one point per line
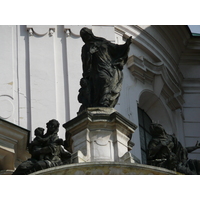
41 30
102 76
157 75
30 31
74 30
51 31
166 151
46 151
68 32
7 107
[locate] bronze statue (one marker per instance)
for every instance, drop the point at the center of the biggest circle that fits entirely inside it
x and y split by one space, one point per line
46 151
166 151
103 62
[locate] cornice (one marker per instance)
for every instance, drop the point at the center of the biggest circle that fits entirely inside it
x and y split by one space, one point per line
191 85
175 43
13 144
97 115
191 55
153 47
146 71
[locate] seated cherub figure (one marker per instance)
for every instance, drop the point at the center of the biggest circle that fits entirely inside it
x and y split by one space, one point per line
38 142
46 149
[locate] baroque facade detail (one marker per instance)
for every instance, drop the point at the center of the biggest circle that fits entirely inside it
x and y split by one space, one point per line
147 71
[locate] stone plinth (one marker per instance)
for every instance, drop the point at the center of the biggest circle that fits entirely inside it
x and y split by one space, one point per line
100 134
106 168
13 146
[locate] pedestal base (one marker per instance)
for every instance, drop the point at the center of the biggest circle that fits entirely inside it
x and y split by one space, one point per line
100 134
106 168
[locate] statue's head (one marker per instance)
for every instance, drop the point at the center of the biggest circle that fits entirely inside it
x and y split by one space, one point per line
86 34
156 129
52 126
39 131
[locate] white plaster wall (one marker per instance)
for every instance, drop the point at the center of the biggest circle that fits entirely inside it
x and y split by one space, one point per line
190 65
148 95
131 97
41 73
191 125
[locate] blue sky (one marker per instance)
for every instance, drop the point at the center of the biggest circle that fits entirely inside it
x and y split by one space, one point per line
194 28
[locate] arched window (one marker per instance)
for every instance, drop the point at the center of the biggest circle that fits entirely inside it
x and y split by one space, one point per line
145 137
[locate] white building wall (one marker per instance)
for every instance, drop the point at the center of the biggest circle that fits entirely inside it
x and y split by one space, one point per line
148 91
41 69
190 67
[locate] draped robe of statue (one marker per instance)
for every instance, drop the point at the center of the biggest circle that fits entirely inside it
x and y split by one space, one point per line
102 78
166 151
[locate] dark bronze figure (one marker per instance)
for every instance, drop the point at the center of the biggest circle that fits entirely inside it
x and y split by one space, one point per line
166 151
46 151
103 62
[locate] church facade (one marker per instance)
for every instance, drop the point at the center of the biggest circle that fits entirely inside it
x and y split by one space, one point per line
41 69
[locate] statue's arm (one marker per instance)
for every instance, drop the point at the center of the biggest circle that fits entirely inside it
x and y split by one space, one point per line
128 41
50 148
193 148
122 54
33 144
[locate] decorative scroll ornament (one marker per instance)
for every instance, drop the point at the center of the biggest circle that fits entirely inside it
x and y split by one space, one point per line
30 31
7 107
51 31
41 30
67 31
146 71
74 30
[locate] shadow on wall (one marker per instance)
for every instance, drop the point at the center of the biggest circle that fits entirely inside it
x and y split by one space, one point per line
156 110
154 61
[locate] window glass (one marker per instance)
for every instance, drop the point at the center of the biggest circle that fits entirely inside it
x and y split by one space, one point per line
148 138
147 121
144 124
142 138
140 117
144 157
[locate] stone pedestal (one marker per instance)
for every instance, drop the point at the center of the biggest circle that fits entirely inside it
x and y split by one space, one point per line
13 146
100 134
106 168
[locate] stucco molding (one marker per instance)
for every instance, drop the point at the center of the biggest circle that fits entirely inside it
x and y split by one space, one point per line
40 30
191 86
157 48
74 30
148 72
13 145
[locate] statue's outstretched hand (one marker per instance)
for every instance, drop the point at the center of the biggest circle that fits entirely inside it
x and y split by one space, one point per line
129 40
197 144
